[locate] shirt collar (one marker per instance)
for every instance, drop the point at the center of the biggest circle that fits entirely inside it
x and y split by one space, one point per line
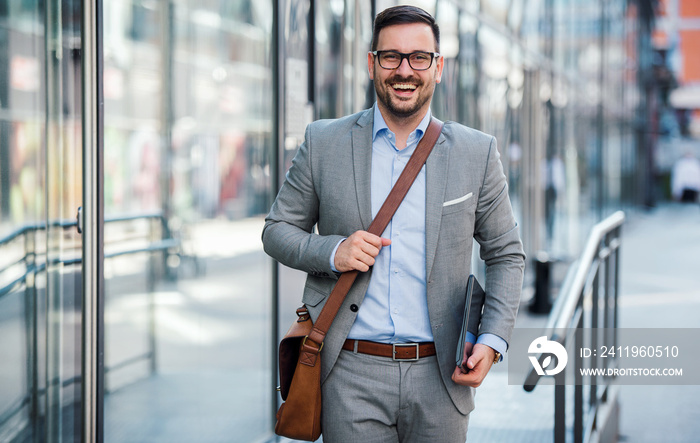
380 123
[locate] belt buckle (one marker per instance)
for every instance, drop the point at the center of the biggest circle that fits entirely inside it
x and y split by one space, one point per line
404 345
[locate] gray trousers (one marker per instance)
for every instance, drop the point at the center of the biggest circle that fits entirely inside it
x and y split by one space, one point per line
369 399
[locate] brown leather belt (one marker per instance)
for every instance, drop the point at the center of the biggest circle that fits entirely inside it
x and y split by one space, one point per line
397 351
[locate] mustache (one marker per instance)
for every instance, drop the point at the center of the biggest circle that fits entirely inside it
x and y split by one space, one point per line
400 79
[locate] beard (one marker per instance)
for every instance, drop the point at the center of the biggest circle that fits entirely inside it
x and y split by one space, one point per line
403 107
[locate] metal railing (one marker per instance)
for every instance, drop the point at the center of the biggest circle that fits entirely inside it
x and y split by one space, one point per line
590 288
30 259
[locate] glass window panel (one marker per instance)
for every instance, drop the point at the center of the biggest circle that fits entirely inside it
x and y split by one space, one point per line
445 104
14 366
328 66
364 88
62 285
39 195
188 141
348 42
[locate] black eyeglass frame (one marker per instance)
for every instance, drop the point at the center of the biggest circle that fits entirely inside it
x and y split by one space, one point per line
433 56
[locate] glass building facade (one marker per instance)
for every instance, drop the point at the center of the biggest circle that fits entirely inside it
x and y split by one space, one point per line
202 106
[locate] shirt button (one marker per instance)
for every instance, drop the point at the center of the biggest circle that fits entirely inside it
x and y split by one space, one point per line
354 307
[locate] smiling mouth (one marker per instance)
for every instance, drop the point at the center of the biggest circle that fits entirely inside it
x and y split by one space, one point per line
404 86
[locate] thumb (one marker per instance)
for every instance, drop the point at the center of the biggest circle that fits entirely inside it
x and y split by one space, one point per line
385 241
475 358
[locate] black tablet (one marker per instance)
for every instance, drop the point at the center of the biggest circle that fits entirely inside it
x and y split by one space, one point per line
473 287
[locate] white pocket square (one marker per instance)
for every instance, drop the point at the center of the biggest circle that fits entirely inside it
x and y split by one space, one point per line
458 200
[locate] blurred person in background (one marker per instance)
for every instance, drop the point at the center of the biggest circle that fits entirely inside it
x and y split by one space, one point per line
685 179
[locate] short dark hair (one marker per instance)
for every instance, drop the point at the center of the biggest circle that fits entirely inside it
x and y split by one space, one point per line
401 15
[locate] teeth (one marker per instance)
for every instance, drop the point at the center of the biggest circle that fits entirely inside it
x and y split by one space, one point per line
404 86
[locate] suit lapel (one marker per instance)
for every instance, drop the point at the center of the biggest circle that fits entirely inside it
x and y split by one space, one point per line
436 182
362 164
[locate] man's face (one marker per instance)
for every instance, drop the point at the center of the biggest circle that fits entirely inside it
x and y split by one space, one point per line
405 92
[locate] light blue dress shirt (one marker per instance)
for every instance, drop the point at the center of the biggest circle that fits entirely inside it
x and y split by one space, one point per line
395 308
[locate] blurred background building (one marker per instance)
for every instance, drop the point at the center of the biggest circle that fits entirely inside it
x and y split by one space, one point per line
204 105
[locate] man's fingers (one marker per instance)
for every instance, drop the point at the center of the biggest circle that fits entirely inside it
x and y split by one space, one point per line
375 245
358 251
478 365
480 353
360 266
370 243
473 378
366 237
369 249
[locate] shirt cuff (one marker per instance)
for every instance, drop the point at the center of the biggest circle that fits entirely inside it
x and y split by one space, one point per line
333 255
494 342
471 338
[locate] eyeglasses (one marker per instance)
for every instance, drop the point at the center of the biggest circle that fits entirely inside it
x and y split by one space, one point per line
418 61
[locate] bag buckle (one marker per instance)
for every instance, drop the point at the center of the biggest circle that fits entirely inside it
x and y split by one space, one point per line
303 343
404 345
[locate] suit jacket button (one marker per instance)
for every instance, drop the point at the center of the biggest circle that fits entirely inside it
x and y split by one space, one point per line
354 307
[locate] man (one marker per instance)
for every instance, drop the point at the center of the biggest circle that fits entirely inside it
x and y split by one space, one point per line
412 284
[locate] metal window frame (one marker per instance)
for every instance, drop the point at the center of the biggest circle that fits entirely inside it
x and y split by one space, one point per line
93 221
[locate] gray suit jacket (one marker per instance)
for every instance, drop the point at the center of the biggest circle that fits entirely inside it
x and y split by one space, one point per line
328 186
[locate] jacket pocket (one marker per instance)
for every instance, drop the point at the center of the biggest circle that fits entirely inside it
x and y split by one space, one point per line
458 204
312 296
458 200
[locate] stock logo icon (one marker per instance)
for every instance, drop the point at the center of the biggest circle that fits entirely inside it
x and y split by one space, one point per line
541 345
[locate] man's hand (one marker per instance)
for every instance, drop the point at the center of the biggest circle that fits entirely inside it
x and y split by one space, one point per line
478 360
357 252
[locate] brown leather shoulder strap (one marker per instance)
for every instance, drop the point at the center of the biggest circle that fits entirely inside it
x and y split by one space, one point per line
380 222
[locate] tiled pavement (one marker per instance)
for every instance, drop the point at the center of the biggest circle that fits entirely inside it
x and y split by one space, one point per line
660 287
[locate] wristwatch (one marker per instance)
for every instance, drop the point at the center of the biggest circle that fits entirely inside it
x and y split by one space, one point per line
497 358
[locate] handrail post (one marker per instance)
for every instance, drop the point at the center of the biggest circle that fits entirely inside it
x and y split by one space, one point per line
595 299
560 408
578 381
616 290
607 282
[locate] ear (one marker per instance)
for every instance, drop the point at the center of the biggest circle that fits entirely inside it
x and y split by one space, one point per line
370 65
440 62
